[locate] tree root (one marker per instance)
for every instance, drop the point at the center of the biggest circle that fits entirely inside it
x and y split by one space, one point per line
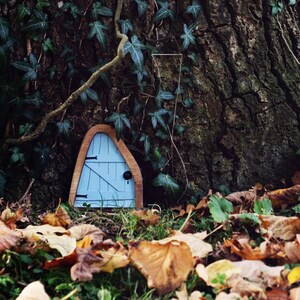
120 54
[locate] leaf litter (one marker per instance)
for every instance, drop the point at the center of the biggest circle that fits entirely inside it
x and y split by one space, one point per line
245 245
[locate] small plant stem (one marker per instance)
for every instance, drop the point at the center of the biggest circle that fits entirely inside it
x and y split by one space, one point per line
186 220
286 42
27 190
70 294
216 229
119 56
58 206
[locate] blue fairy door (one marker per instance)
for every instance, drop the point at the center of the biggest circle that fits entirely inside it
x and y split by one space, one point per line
105 180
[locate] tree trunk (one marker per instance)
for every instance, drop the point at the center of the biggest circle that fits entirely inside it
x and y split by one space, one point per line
244 125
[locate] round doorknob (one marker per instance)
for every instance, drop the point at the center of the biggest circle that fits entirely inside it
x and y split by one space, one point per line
127 175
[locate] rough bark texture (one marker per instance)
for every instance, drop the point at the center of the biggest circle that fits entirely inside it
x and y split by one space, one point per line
244 126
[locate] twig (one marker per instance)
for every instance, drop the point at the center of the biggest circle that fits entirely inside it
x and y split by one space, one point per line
186 220
27 190
120 54
286 42
70 294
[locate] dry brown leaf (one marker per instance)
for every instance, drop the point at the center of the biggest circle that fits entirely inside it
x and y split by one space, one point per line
81 231
277 294
198 247
114 256
8 237
230 296
244 250
34 291
10 218
83 270
283 197
292 251
59 218
241 197
285 228
245 288
62 262
182 294
55 236
295 293
258 272
147 216
165 266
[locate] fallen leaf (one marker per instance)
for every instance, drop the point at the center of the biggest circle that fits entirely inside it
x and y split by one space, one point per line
10 218
198 247
295 293
62 262
83 270
285 228
241 197
294 275
292 251
230 296
284 197
244 250
55 236
34 291
81 231
257 271
277 294
165 266
59 218
114 256
8 237
182 294
220 267
147 216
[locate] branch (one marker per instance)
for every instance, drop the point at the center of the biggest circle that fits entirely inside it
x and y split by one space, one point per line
120 54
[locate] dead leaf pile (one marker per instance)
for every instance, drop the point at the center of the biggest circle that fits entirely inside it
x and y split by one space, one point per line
235 267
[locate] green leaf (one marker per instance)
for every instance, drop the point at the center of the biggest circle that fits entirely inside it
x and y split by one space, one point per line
100 10
163 13
126 26
263 207
179 129
88 94
276 8
48 46
188 35
164 95
64 127
73 8
17 156
156 118
34 99
147 143
134 48
97 29
142 7
170 186
188 102
194 9
219 208
41 4
4 29
24 128
23 11
249 217
119 121
292 2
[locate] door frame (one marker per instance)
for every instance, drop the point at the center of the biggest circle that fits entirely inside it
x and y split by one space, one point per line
129 159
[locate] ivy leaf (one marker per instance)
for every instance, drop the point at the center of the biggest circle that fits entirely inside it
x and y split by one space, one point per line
4 29
34 99
194 9
263 207
88 94
219 208
147 143
249 217
292 2
164 95
38 22
156 118
188 35
23 11
47 45
64 127
29 69
74 10
126 26
134 48
167 182
163 13
276 8
41 4
97 29
142 7
100 10
4 47
119 121
17 156
179 129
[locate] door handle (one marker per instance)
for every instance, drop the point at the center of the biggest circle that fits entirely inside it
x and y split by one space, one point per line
127 175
